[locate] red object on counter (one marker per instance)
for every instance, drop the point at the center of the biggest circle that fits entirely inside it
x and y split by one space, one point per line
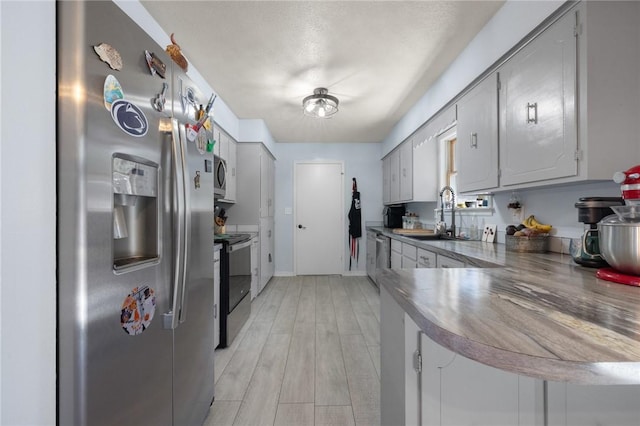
610 274
630 184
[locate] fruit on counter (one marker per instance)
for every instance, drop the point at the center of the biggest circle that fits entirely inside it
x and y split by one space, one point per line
530 227
527 232
532 223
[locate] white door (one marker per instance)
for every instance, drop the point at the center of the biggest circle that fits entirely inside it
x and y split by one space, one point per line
320 233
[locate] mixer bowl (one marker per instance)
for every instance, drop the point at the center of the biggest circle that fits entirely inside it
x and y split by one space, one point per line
629 213
620 244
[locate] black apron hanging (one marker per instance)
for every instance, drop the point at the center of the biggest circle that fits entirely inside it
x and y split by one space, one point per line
355 224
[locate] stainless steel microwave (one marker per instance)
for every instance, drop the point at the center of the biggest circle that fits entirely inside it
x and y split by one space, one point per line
219 177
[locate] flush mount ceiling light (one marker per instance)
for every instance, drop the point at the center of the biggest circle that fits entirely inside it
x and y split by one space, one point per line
321 104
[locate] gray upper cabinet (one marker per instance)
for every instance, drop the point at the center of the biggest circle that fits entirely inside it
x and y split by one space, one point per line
227 152
477 132
425 170
394 176
386 180
267 187
397 174
565 110
538 135
406 171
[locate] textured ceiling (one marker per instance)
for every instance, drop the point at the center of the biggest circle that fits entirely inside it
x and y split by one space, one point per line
377 57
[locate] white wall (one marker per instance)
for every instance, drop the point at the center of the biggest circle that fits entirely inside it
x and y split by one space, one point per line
28 222
256 131
361 160
508 26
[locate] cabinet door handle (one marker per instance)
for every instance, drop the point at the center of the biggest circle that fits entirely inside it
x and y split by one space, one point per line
532 107
474 140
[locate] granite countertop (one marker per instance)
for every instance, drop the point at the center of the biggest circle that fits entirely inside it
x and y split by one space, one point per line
538 315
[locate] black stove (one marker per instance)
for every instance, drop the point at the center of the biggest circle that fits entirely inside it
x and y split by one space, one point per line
235 284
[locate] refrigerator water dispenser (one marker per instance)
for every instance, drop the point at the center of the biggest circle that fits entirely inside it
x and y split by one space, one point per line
135 211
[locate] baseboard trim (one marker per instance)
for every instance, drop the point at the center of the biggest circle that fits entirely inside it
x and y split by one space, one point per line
344 274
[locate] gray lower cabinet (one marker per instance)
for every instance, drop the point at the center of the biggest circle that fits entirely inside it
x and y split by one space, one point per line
255 267
457 391
267 247
409 256
396 254
426 259
423 383
392 365
577 405
448 262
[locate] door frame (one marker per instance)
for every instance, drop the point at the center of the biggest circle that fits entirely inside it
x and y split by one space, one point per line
342 226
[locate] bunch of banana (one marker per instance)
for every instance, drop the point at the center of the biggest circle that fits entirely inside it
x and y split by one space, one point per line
532 223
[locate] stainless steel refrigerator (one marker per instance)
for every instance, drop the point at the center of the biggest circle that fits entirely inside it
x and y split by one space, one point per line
135 228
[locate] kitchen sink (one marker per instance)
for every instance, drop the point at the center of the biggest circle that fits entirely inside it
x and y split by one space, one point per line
428 237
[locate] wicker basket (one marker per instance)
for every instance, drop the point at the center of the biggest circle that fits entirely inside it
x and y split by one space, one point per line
531 244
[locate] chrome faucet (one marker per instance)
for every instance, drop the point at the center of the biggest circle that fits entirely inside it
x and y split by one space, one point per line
453 212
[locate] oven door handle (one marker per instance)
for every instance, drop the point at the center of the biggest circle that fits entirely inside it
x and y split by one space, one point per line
239 246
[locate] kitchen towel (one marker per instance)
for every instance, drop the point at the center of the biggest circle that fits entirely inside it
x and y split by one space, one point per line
355 224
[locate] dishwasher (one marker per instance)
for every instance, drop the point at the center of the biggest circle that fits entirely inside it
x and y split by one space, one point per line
383 254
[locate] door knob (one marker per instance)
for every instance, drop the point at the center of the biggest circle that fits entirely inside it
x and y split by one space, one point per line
302 227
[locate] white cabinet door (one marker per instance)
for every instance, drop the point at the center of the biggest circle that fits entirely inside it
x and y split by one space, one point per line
272 187
409 256
224 146
255 267
392 326
394 174
267 263
386 180
580 405
426 259
267 184
228 153
425 170
216 138
264 183
408 263
406 171
538 138
230 194
477 132
412 395
216 298
396 260
447 262
457 391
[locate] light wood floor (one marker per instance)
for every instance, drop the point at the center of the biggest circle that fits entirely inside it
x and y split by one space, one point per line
309 355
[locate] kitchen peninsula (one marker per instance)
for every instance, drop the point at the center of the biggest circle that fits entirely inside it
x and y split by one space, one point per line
510 339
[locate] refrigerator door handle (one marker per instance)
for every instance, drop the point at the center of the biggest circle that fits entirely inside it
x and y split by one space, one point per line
170 319
186 199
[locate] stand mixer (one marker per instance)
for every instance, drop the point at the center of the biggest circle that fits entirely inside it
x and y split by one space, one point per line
592 210
620 233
